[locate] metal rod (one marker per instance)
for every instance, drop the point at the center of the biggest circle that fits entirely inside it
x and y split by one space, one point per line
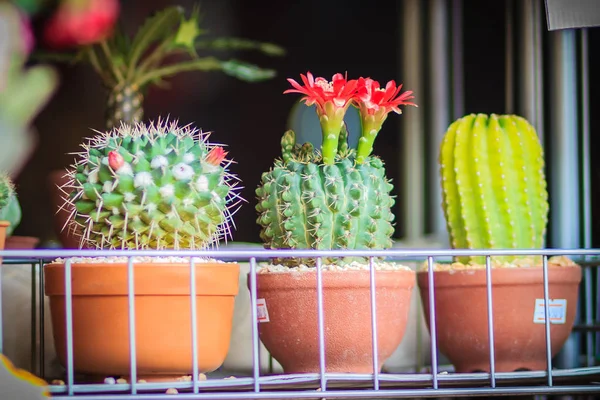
547 320
254 313
374 324
358 394
509 85
564 164
432 324
34 307
42 354
132 338
438 100
264 253
538 61
458 86
490 311
589 340
69 321
194 320
526 61
321 328
1 324
412 169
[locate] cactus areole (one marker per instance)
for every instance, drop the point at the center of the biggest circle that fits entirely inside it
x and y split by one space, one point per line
151 186
338 198
493 184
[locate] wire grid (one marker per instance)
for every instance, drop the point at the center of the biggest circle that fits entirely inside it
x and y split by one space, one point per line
323 384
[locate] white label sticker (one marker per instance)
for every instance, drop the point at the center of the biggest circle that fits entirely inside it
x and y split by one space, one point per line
263 314
557 310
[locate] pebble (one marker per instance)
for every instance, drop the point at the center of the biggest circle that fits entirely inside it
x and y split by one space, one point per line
110 381
171 391
121 380
59 382
524 262
154 259
353 266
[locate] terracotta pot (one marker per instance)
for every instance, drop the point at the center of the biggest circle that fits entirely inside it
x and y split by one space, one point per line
162 315
21 242
520 344
3 226
291 335
61 215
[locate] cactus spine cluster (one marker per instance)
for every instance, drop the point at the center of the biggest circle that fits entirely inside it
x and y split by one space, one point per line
493 184
331 199
151 186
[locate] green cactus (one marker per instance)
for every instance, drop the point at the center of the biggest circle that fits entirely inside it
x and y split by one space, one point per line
7 189
151 186
306 204
10 209
493 184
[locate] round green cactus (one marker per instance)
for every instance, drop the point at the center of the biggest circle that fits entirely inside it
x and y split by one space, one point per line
493 184
306 204
151 186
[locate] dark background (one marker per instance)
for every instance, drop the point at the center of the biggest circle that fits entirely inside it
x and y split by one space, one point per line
323 36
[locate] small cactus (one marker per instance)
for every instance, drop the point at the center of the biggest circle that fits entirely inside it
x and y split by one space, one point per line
7 190
10 209
338 198
151 186
493 184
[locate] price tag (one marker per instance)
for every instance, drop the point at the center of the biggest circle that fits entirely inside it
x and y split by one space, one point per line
557 310
263 313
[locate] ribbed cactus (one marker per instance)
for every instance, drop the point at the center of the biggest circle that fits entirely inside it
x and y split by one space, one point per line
305 204
493 184
151 186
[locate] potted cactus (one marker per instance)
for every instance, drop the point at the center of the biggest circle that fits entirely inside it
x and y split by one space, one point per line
335 198
147 186
167 44
494 197
10 211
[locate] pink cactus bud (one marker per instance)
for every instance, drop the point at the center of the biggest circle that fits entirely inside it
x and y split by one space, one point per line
216 156
115 160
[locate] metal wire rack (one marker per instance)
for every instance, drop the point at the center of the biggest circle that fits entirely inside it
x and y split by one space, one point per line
433 382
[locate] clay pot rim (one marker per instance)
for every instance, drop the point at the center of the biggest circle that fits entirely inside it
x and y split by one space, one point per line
398 279
151 279
4 224
502 276
143 264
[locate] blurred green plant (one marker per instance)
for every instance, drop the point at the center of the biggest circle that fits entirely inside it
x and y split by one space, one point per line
165 45
23 94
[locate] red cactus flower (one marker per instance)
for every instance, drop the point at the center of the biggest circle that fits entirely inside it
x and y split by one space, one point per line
115 160
216 156
370 98
332 100
81 22
319 91
375 103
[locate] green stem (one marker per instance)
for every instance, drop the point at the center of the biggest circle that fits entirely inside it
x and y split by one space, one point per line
108 54
329 146
371 125
98 68
155 57
204 64
332 119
